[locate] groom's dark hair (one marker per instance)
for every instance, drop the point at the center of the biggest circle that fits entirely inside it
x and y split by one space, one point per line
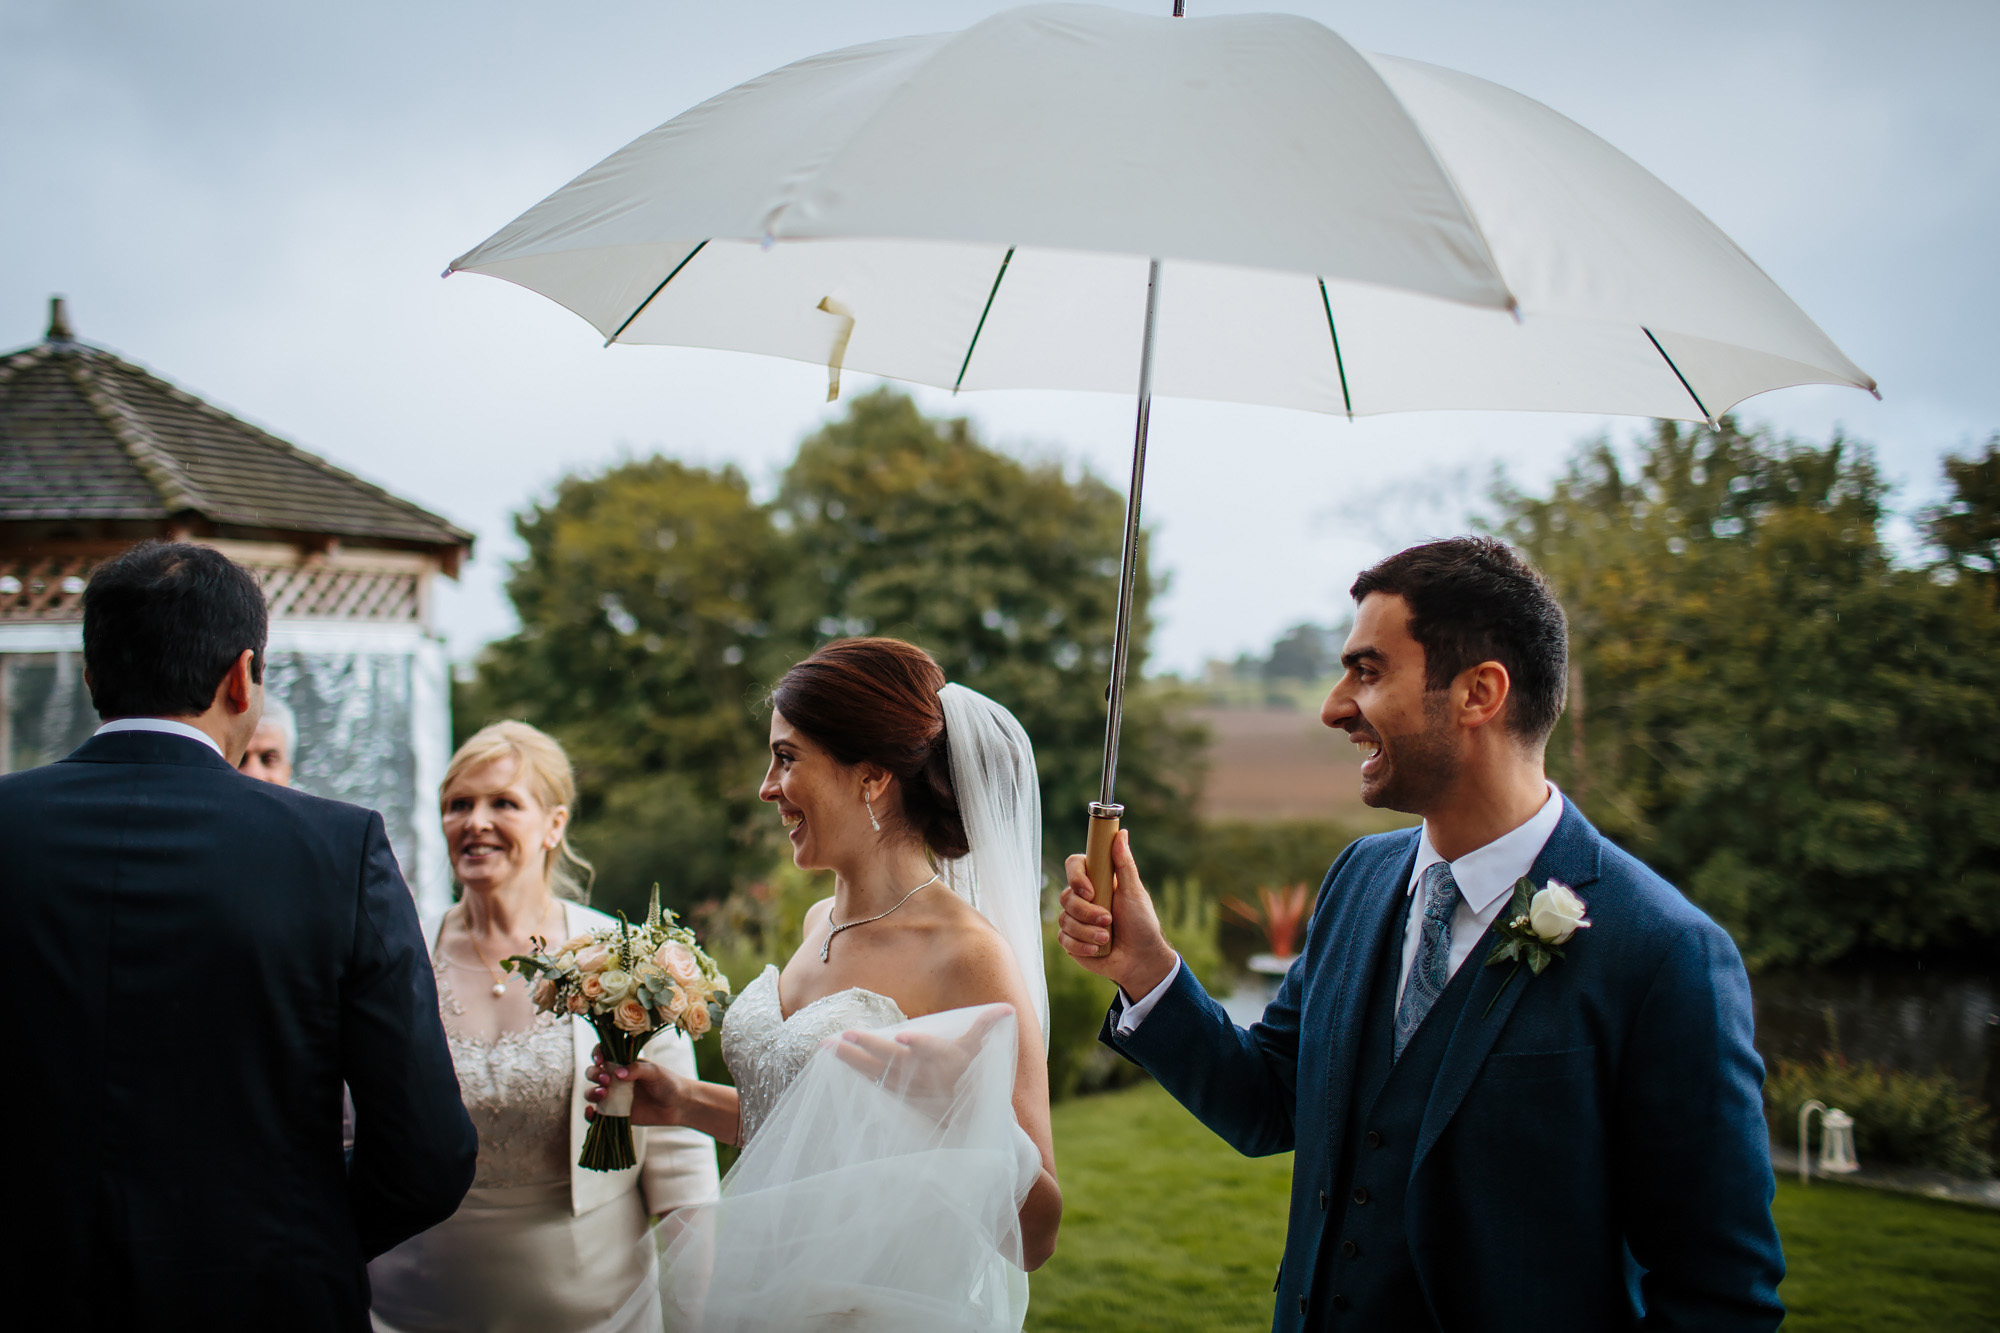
1473 600
163 623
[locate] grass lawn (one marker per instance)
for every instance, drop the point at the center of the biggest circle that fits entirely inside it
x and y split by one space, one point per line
1165 1228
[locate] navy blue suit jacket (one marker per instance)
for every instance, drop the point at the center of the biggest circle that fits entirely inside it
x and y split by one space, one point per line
1593 1154
197 961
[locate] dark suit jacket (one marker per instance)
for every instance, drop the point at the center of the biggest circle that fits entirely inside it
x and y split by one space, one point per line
1593 1154
197 961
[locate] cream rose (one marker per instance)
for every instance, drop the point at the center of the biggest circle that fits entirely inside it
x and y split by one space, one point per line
1555 913
619 985
593 959
577 945
696 1021
680 963
631 1016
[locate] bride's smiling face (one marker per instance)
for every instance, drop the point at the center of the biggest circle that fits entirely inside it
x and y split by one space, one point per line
818 797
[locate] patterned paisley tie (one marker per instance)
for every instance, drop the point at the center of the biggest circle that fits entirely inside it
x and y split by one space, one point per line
1431 972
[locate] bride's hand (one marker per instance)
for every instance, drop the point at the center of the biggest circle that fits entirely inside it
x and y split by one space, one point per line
659 1096
921 1067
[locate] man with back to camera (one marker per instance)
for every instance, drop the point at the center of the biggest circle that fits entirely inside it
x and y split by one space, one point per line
1477 1147
206 959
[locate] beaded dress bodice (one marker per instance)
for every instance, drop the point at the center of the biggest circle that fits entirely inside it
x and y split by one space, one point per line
517 1090
765 1050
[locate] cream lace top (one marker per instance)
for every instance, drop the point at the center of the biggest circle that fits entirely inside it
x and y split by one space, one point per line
517 1088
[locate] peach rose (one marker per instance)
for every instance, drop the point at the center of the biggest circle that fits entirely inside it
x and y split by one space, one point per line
696 1021
631 1016
593 987
676 1005
680 963
577 945
544 993
594 959
577 1004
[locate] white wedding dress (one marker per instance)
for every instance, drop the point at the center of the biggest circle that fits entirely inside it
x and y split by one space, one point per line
887 1204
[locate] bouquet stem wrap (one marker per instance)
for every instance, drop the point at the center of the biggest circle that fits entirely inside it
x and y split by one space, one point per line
608 1144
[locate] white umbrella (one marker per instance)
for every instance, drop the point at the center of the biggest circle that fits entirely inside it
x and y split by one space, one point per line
1242 208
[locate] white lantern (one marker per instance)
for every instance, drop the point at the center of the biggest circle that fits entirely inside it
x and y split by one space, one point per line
1836 1141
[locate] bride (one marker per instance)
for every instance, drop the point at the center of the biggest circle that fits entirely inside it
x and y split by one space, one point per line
891 1099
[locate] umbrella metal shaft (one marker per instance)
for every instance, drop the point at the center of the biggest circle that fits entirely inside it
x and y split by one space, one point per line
1121 639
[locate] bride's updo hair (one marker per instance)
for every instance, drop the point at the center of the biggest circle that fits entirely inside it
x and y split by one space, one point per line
875 701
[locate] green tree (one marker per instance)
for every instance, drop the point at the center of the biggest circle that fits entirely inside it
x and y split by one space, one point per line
1008 573
646 601
1966 527
1802 734
659 601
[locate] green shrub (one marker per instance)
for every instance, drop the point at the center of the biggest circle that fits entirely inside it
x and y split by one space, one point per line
1900 1117
1234 856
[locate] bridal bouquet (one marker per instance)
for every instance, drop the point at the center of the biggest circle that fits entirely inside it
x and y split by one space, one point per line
629 982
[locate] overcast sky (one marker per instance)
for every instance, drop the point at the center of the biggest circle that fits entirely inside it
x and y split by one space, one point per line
255 200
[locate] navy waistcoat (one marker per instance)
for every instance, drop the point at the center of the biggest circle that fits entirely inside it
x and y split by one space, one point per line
1371 1279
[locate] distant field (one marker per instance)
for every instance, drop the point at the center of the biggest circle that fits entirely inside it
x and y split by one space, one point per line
1272 764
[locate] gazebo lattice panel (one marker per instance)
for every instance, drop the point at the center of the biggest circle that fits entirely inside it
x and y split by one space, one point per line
51 589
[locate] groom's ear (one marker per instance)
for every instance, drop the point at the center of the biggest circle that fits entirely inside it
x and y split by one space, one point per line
1480 694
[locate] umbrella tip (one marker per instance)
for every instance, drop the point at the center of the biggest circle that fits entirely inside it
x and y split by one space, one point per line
1877 392
59 329
447 273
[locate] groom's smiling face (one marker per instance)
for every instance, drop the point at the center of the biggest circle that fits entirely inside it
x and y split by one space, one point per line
1409 749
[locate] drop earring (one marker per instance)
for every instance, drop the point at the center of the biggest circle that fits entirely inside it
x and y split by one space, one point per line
873 822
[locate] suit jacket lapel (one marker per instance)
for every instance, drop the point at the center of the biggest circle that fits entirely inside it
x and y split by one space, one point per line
1359 954
1572 855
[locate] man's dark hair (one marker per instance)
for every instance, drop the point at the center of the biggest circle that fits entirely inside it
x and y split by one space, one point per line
163 623
1473 600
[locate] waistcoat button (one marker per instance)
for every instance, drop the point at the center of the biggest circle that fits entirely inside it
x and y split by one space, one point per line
1339 1302
1322 1201
1361 1195
1349 1248
1302 1305
1374 1139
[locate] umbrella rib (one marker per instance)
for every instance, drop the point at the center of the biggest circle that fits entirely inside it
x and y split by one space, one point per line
655 292
980 327
1700 406
1339 364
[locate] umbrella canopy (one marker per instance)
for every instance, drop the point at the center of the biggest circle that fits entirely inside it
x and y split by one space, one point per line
1242 208
1339 232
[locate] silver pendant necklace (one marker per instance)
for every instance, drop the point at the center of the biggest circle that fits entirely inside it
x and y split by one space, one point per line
832 930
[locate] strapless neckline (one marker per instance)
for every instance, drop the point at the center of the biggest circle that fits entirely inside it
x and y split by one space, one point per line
765 1049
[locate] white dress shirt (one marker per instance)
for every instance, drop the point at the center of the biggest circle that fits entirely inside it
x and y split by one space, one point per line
1484 877
166 726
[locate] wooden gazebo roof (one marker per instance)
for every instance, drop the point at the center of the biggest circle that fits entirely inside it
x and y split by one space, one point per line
94 447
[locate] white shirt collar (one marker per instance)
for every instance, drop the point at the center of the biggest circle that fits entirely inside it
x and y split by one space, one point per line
1485 874
166 726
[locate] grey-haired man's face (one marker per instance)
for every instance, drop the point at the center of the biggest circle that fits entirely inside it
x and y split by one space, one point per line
268 759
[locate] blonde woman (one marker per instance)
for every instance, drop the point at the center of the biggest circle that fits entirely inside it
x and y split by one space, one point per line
539 1243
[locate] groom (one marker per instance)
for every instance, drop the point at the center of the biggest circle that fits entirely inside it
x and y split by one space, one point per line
1476 1147
198 961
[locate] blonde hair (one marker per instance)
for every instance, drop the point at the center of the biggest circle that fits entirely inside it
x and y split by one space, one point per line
546 771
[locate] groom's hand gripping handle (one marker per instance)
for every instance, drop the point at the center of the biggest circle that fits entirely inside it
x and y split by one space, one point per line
1135 954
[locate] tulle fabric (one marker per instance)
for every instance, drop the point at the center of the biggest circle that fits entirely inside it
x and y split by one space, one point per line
887 1202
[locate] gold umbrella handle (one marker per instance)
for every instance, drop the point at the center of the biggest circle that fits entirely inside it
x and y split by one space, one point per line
1104 821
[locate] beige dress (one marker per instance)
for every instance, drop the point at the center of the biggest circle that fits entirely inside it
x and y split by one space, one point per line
513 1257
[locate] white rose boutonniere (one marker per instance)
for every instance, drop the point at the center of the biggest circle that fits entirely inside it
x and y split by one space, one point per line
1534 928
